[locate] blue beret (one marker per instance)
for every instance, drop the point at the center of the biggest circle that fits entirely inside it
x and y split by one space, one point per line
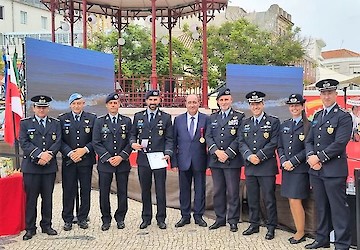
41 100
112 96
224 91
327 84
154 92
255 96
74 97
295 99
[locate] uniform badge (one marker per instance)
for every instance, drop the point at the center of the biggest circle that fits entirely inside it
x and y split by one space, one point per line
53 136
330 130
161 132
266 135
140 130
202 140
245 134
123 126
87 130
123 136
301 137
67 131
31 136
233 131
86 121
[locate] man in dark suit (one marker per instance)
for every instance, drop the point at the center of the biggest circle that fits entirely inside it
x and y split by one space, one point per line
40 139
152 131
191 159
225 161
258 139
77 161
111 142
326 154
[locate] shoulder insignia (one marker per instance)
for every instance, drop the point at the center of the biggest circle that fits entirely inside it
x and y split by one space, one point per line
102 116
62 114
26 118
53 118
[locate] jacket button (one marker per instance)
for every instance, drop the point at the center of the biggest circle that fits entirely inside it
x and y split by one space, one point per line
254 133
319 128
114 141
78 132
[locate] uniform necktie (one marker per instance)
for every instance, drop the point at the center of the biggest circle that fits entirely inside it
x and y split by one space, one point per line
77 118
256 122
114 120
152 116
42 123
192 127
325 112
223 115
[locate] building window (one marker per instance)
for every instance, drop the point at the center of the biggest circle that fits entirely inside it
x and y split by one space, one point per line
354 69
44 22
23 17
1 12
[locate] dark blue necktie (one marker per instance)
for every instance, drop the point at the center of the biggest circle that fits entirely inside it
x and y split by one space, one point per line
192 127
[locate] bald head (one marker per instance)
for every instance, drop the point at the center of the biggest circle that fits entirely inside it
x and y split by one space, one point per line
192 104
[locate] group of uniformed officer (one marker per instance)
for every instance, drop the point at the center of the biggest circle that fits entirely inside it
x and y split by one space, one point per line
232 141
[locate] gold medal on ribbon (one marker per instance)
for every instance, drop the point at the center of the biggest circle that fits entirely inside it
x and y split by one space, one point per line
53 136
330 130
31 136
233 131
266 135
161 132
202 140
87 130
301 137
123 136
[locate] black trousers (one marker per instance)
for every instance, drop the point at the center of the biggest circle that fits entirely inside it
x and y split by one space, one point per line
105 180
71 176
332 210
267 186
226 194
145 177
185 181
35 185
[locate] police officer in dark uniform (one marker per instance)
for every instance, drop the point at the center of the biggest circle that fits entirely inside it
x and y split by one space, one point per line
326 154
152 132
258 139
40 140
111 142
295 183
225 161
78 160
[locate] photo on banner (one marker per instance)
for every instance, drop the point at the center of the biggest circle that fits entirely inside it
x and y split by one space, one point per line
58 70
277 82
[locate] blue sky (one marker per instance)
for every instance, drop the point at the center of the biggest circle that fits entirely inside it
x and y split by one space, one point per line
336 22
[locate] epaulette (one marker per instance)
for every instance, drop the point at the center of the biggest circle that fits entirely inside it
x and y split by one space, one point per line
317 112
56 119
26 118
273 116
239 111
102 116
62 114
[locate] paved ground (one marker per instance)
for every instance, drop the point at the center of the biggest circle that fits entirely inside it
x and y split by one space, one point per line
189 237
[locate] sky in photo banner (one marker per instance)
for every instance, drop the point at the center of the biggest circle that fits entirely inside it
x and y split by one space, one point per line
335 22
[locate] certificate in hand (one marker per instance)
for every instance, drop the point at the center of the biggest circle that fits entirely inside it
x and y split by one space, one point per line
156 160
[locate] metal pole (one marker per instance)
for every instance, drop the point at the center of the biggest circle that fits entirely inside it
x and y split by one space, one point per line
153 79
84 14
357 213
205 63
71 13
119 46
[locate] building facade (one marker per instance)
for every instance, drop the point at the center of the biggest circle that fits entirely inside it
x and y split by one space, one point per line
342 61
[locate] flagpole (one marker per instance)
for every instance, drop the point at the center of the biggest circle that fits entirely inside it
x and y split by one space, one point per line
17 148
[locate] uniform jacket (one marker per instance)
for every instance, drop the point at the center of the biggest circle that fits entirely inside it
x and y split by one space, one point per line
327 139
77 134
292 145
222 134
35 139
109 142
261 140
160 135
190 151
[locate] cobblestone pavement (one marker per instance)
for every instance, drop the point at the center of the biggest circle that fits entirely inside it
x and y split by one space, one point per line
188 237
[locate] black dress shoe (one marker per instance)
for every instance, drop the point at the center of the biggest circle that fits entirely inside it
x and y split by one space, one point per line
201 222
182 222
28 235
145 224
83 224
315 245
216 225
292 240
105 226
67 226
233 227
120 224
161 225
49 231
270 234
251 230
